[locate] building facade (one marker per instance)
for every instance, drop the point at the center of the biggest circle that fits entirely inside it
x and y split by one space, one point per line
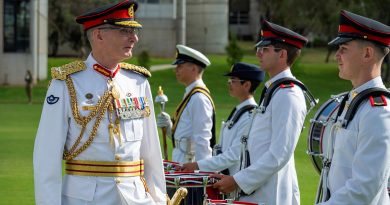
23 45
201 24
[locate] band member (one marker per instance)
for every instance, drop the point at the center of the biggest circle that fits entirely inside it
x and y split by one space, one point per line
268 174
193 129
243 80
360 165
98 117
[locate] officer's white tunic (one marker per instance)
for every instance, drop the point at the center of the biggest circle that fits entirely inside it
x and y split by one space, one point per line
230 140
195 125
58 129
360 165
271 144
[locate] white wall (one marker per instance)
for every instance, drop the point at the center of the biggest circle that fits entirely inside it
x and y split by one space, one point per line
207 25
157 37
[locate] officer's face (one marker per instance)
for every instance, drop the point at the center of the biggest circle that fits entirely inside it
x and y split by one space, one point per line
237 87
349 56
119 42
268 57
184 73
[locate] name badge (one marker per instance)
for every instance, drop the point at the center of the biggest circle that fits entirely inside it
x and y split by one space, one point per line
132 108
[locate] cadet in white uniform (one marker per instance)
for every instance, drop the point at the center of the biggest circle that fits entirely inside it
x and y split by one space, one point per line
360 164
269 175
193 130
243 81
98 117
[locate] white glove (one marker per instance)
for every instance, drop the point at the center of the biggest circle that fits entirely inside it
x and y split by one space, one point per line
164 120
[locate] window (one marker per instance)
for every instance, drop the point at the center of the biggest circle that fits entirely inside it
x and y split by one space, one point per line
16 25
239 12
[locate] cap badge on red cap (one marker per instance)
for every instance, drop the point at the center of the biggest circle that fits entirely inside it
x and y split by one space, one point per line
131 11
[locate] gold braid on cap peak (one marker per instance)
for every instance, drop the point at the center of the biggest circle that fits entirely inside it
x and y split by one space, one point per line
137 69
60 73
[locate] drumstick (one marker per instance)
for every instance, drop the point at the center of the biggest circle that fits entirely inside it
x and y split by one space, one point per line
179 195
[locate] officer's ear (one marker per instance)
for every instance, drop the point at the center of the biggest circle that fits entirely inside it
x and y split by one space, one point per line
99 34
247 85
368 53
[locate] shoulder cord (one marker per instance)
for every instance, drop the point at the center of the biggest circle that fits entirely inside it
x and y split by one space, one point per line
100 109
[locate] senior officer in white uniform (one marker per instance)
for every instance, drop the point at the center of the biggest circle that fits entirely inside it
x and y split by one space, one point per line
243 80
193 129
98 116
361 161
269 176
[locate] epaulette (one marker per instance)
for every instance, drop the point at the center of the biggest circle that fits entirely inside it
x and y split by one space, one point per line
286 85
60 73
137 69
378 100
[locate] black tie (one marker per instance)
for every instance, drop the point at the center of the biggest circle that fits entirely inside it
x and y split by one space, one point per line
231 114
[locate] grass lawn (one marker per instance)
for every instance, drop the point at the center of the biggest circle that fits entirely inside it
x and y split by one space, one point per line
19 120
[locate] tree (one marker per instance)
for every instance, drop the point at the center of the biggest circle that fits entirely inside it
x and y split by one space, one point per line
62 25
233 51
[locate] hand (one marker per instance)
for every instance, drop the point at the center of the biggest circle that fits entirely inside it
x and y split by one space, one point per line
189 167
164 120
226 184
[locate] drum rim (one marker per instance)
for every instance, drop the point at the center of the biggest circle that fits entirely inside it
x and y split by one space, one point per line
321 110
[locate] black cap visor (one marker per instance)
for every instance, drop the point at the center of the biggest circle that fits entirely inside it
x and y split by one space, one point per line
178 61
264 42
184 59
340 40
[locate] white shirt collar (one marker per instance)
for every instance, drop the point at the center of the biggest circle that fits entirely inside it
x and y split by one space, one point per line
193 84
90 61
283 74
249 101
375 82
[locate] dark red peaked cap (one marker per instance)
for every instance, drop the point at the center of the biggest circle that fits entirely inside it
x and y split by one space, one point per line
118 14
271 33
353 26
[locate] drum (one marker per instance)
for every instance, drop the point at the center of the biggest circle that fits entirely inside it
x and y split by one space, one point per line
170 166
228 202
198 184
320 127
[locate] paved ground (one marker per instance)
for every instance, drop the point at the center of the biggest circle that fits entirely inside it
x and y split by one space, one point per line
161 67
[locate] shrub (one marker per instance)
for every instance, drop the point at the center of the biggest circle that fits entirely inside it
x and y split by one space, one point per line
234 52
144 59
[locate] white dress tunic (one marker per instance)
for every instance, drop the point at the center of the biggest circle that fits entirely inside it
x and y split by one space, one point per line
271 178
231 144
193 132
58 130
361 161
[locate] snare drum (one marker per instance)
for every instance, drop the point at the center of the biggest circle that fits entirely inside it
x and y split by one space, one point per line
320 127
319 131
228 202
198 184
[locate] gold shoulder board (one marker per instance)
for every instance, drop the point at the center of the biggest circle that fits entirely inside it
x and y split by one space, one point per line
61 72
137 69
